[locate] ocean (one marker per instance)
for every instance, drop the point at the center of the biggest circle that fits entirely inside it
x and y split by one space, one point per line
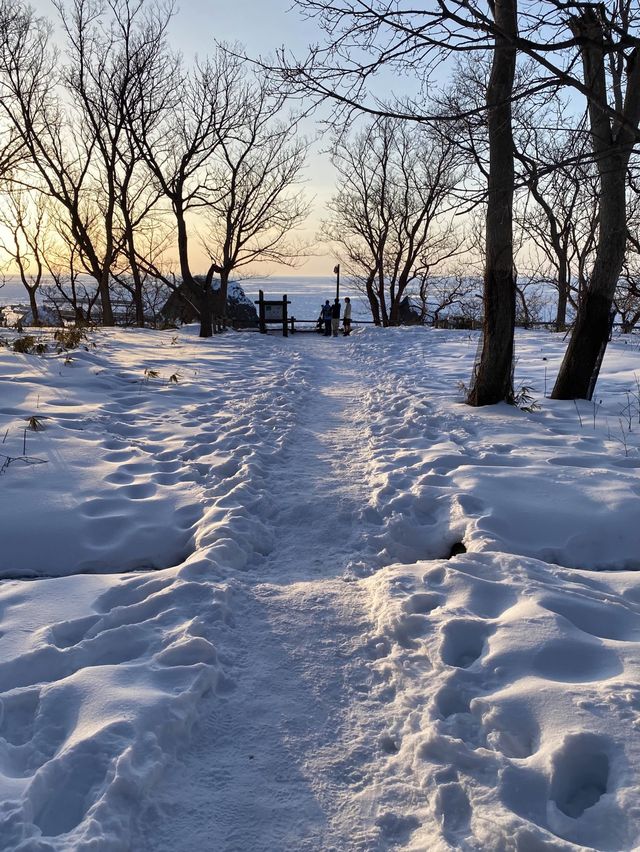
306 293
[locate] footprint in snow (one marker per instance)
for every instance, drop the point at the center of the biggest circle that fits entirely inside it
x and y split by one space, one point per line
487 598
101 508
119 477
422 603
463 642
139 491
454 698
410 628
396 828
454 810
509 727
580 774
435 577
68 633
117 456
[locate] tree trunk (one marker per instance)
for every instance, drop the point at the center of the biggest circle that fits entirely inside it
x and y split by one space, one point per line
382 302
373 301
33 304
137 296
222 301
563 294
203 302
397 294
581 364
526 315
612 146
105 297
206 313
493 380
135 268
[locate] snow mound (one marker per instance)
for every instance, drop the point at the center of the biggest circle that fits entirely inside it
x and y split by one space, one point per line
510 676
559 484
514 685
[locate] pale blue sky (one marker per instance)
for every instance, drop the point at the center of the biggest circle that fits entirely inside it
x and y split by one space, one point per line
262 25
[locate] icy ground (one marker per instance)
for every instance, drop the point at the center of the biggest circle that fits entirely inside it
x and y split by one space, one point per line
231 618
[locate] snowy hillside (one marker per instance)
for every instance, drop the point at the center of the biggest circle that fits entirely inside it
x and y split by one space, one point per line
292 594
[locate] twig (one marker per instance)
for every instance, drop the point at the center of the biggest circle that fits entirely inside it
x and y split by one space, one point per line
24 459
575 402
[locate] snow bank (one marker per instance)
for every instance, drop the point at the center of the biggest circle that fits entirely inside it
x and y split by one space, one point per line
511 678
559 484
104 662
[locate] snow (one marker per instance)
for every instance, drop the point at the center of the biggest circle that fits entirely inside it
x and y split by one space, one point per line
306 599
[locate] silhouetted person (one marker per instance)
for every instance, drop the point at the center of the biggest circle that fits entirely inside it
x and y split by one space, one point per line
335 318
326 317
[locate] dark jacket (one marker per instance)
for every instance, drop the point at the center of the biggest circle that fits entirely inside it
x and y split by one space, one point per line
335 310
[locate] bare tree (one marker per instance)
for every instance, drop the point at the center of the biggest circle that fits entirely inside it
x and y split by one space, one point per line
113 47
439 294
252 200
493 378
627 295
607 45
140 39
59 154
388 217
178 136
72 118
24 217
558 221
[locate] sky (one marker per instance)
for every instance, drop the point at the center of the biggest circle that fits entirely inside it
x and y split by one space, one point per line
262 26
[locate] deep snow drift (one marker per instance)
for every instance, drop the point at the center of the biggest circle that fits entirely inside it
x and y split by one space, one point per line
262 548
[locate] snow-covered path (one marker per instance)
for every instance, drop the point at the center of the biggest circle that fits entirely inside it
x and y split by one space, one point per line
294 595
281 758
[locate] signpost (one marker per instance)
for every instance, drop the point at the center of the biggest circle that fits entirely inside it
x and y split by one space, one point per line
272 311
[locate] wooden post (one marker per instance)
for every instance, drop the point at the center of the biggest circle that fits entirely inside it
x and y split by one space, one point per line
293 327
261 316
285 326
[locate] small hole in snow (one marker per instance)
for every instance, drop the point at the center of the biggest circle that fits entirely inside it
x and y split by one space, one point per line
456 549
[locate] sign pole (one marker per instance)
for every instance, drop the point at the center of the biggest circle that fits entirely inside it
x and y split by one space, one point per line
336 269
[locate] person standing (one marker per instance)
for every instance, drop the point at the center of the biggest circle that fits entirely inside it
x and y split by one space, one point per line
346 320
327 312
335 318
